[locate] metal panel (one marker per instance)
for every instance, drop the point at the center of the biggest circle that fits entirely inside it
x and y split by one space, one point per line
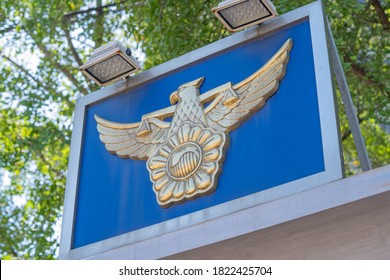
168 231
279 144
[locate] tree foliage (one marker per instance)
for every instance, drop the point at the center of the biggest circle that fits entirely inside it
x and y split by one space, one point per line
42 44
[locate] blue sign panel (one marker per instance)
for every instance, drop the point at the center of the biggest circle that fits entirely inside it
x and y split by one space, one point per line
280 143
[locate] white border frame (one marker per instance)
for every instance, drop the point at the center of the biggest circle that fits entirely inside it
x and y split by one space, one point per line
236 217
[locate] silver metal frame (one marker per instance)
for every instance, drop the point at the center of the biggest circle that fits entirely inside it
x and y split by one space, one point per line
237 216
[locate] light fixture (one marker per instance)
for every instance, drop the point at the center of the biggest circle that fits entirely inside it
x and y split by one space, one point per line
110 63
236 15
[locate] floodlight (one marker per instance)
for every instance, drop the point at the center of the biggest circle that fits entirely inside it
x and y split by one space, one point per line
110 63
236 15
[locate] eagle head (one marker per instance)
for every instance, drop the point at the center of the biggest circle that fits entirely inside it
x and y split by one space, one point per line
190 89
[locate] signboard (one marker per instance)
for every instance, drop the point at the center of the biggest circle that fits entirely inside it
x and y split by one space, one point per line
158 158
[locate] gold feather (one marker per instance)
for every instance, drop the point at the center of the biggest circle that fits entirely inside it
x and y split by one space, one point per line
252 93
124 140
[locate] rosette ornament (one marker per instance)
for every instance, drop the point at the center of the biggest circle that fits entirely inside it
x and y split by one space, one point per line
188 164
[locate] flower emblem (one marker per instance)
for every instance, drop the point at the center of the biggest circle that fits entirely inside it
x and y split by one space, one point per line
188 164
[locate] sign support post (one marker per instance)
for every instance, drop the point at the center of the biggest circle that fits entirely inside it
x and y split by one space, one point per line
348 104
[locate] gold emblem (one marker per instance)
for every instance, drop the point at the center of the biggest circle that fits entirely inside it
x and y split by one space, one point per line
184 156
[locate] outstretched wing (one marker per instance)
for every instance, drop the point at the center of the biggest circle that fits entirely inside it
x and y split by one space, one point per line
125 140
249 95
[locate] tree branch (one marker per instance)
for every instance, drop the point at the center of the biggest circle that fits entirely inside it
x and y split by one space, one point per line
60 67
20 67
99 22
381 14
7 29
58 173
69 40
39 83
361 72
72 14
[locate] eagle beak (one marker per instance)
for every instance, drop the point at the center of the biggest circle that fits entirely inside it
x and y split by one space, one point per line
198 82
174 97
